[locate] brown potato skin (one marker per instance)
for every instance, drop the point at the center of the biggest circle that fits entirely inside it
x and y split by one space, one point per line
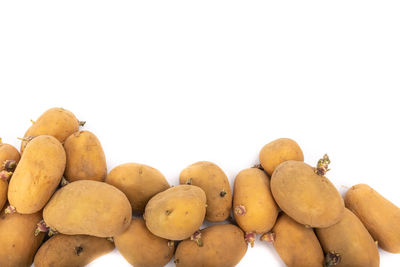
139 182
213 181
278 151
141 248
380 216
18 242
37 175
297 245
223 246
176 213
351 240
85 158
57 122
88 208
8 152
252 191
71 250
3 193
308 198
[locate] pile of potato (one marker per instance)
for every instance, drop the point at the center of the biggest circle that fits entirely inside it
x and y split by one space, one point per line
57 189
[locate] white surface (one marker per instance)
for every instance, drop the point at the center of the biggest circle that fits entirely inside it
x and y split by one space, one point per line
168 83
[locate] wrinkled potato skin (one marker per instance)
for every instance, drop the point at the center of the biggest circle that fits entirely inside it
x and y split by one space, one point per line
297 245
8 152
57 122
213 181
3 193
380 216
141 248
85 158
37 175
176 213
278 151
18 243
223 246
308 198
351 240
252 191
71 250
139 182
88 208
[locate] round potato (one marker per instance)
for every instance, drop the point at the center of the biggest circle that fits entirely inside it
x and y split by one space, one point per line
255 210
176 213
88 208
139 182
221 245
143 249
37 175
380 216
8 152
71 250
350 242
85 158
278 151
307 197
215 184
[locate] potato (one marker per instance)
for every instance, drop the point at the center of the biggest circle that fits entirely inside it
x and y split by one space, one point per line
307 197
37 175
143 249
139 182
215 184
88 208
3 192
351 241
71 250
380 216
219 245
278 151
255 210
176 213
7 152
57 122
85 158
18 243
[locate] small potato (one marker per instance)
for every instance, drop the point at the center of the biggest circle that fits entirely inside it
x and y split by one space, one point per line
85 158
18 243
71 250
88 208
255 209
37 175
215 184
380 216
220 245
278 151
139 182
176 213
143 249
305 196
9 157
8 152
350 241
3 192
57 122
296 245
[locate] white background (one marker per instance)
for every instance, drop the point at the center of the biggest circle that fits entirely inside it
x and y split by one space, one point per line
168 83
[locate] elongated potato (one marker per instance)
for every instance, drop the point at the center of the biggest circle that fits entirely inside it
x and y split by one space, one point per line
215 184
18 243
219 245
351 241
143 249
380 216
88 208
85 158
139 182
71 250
37 175
255 210
278 151
8 152
176 213
307 197
57 122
